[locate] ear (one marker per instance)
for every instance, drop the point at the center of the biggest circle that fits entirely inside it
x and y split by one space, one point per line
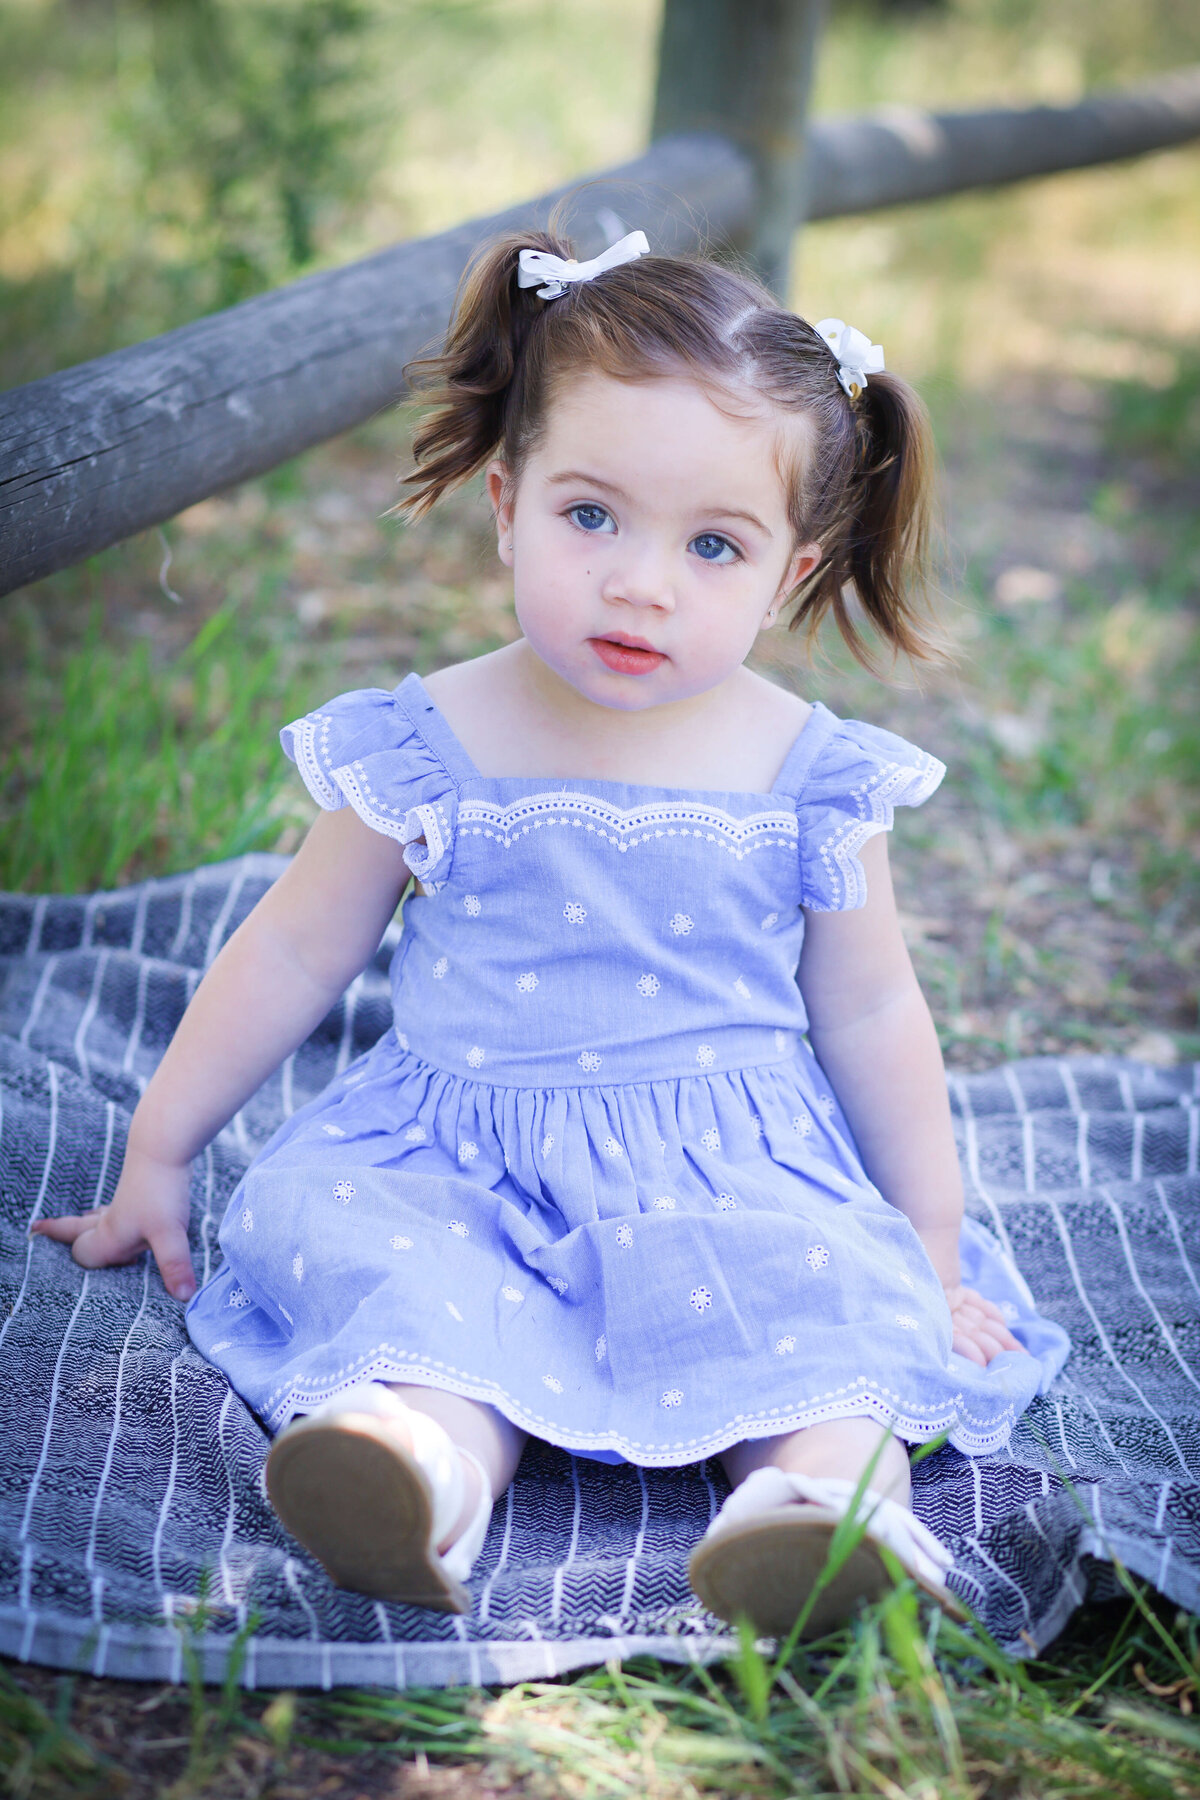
499 492
801 564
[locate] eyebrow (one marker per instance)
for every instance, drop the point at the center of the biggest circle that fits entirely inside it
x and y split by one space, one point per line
581 477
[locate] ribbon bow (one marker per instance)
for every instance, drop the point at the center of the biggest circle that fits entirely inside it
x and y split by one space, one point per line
534 266
856 355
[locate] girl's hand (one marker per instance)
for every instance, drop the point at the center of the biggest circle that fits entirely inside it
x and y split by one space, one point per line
979 1328
149 1210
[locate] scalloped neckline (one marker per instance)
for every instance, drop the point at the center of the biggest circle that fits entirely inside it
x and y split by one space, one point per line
438 733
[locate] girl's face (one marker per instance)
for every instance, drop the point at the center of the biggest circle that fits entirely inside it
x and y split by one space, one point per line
648 538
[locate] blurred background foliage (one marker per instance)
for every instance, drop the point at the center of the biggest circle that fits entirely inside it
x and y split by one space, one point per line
160 158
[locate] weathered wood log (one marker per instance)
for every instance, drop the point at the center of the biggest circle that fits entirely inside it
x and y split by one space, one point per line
103 450
899 155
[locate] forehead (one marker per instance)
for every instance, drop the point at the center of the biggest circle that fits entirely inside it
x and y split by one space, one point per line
672 432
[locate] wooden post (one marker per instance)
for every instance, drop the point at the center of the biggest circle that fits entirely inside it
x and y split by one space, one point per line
743 69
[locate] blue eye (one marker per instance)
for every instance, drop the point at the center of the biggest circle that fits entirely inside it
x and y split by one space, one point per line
591 518
714 549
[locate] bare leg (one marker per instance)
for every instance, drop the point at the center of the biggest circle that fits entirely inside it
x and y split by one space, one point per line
835 1447
476 1427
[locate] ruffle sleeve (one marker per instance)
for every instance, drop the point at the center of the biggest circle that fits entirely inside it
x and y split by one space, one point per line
363 750
853 787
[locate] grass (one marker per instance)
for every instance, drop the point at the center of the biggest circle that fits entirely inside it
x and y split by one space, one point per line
902 1704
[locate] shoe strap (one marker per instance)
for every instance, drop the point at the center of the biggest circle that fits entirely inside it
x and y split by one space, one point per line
460 1558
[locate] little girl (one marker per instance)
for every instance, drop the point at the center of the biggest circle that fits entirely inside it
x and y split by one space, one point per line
656 1163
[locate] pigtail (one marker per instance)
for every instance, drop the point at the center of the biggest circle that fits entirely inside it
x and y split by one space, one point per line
473 383
877 540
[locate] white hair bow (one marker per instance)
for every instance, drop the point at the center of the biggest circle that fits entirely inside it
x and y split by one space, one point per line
856 355
534 266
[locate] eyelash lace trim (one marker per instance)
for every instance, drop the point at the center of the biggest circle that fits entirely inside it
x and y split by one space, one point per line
876 800
626 828
309 740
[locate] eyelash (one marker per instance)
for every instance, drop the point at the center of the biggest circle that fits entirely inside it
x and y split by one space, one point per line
716 536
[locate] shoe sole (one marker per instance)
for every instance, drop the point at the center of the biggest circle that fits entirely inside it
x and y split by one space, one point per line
363 1507
766 1569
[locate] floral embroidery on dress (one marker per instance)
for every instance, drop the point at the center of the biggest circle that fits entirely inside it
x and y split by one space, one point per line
343 1191
664 1203
440 967
458 1227
589 1060
681 924
247 1220
416 1134
908 1281
784 1346
573 913
547 1144
672 1397
402 1040
726 1202
825 1105
467 1151
527 982
757 1125
817 1257
400 1243
601 1347
557 1283
908 1322
802 1124
648 986
553 1383
739 987
513 1294
239 1297
333 1130
453 1311
783 1042
612 1148
701 1299
662 1145
472 906
771 919
624 1236
1009 1308
711 1140
706 1056
298 1266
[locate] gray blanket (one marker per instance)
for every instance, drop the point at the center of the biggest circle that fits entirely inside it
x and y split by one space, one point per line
132 1516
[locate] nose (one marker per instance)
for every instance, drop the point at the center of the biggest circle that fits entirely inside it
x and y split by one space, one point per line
642 578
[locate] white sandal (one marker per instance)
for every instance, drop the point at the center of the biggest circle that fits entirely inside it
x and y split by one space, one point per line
762 1554
373 1512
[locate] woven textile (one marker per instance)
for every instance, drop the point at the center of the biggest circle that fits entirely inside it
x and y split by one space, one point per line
131 1476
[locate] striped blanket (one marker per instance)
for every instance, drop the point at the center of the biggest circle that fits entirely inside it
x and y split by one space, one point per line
132 1516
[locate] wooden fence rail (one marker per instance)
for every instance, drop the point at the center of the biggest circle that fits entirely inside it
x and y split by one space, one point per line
103 450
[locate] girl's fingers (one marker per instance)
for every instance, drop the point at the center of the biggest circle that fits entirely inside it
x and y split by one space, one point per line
65 1230
170 1246
103 1243
966 1346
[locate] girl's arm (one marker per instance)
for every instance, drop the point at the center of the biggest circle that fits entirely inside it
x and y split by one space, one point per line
273 982
874 1038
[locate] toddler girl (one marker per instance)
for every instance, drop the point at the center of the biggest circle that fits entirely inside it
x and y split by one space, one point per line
656 1163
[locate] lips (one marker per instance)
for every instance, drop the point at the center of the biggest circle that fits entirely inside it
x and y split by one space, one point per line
626 656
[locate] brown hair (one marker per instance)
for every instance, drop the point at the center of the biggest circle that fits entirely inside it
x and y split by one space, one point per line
860 489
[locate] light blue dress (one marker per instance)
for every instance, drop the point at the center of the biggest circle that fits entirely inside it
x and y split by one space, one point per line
594 1175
